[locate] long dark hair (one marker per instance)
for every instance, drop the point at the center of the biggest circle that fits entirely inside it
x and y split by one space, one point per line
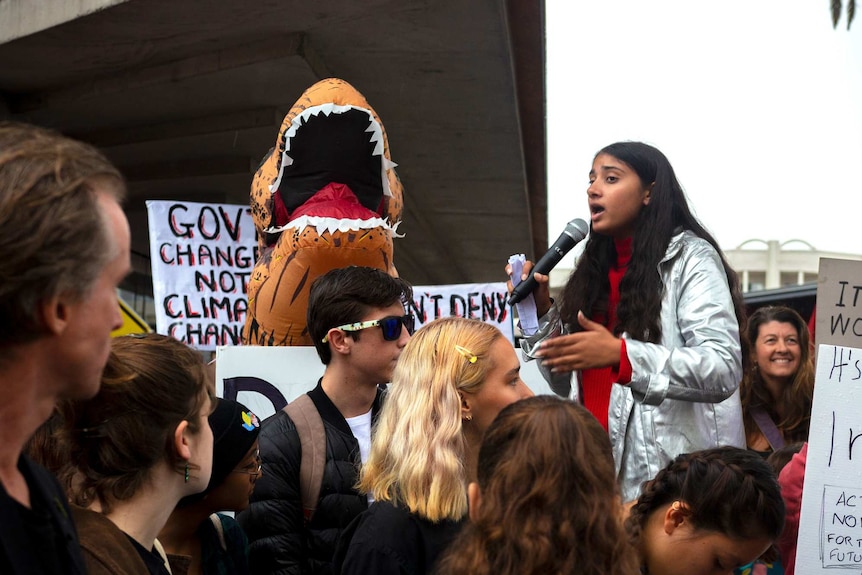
638 312
797 397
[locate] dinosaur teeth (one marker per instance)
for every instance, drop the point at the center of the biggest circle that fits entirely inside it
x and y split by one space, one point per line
326 224
374 128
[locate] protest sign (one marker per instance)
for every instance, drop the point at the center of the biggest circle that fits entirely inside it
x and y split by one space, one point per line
830 523
265 379
485 302
830 526
839 303
202 256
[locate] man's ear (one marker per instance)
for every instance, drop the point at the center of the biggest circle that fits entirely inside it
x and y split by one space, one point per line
55 314
474 500
677 515
339 341
181 441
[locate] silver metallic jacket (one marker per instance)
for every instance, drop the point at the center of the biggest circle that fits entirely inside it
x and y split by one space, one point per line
683 395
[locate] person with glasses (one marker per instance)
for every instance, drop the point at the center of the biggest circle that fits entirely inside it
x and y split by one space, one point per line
213 543
358 320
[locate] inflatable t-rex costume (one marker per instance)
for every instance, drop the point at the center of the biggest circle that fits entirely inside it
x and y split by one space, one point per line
325 197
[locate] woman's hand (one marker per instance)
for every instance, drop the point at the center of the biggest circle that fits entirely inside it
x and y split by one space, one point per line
541 294
592 348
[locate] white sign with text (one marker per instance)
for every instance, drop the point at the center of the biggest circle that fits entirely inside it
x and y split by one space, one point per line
830 526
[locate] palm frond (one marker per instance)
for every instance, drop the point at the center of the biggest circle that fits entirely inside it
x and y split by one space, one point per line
836 12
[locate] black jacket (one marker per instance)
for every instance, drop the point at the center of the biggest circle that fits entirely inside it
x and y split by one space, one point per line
389 540
19 553
279 540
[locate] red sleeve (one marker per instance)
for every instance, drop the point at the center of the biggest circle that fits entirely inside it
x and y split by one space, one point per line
623 373
791 480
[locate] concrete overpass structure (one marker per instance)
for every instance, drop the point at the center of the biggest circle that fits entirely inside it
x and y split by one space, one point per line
186 97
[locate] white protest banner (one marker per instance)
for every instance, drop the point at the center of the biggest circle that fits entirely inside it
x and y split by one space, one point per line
485 302
839 303
202 256
830 525
265 379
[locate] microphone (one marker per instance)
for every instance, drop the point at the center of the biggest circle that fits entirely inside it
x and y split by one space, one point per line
576 230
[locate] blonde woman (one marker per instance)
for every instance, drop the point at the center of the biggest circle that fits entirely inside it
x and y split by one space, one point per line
453 378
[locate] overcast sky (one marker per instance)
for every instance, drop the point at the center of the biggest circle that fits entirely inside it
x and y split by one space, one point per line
757 104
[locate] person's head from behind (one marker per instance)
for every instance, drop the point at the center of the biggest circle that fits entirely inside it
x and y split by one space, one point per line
149 416
452 380
780 349
355 308
64 243
546 500
779 458
707 512
236 464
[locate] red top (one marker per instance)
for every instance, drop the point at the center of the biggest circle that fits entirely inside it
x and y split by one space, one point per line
596 383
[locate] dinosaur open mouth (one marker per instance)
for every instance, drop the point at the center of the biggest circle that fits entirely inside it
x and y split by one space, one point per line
327 145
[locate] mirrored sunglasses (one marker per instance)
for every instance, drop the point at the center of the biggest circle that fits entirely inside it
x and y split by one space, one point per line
390 325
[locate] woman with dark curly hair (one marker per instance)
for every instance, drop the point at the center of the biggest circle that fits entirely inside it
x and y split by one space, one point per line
707 512
546 500
778 389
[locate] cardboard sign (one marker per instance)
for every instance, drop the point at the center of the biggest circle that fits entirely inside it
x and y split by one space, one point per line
839 303
485 302
830 526
265 379
202 256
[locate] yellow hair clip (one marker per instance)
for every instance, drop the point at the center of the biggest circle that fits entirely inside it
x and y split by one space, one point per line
466 353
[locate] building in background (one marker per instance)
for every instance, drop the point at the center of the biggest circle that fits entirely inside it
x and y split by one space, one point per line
769 264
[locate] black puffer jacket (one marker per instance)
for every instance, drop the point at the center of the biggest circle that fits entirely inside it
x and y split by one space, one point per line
279 541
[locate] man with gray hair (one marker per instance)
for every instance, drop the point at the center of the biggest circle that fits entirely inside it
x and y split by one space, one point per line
64 249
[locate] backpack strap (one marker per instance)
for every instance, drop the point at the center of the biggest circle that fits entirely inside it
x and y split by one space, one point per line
216 521
767 428
312 441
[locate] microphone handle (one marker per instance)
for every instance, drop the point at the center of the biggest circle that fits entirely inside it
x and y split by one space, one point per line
543 266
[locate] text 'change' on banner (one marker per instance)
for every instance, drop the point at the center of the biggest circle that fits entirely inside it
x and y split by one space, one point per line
202 256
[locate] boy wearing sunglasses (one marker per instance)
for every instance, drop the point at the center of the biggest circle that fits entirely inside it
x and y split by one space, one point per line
358 320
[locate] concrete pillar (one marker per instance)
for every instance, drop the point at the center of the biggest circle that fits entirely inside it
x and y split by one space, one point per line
773 275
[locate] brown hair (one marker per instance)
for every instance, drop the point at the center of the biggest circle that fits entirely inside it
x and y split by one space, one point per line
150 385
54 236
344 295
797 397
550 502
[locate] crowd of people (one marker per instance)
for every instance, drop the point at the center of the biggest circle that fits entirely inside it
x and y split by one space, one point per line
674 443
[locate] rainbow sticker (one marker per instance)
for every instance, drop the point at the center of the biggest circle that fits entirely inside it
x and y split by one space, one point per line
249 421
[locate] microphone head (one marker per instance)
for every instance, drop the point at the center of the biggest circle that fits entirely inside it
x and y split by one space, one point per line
577 229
